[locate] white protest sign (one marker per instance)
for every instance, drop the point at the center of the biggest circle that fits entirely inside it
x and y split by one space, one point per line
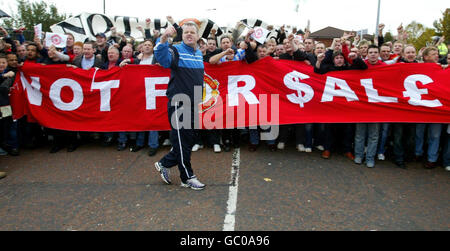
38 31
260 34
58 40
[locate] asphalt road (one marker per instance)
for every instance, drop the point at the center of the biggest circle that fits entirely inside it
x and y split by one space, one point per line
99 188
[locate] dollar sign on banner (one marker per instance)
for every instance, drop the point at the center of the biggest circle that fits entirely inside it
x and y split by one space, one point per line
304 92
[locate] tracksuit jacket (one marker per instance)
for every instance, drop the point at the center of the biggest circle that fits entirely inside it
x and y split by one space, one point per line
187 71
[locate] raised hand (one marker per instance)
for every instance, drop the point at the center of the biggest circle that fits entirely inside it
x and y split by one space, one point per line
168 33
352 56
320 57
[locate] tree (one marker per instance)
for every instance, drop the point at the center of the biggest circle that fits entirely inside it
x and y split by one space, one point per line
425 39
419 35
388 37
30 14
442 25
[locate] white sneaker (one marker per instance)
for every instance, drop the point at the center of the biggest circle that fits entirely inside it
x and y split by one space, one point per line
194 184
308 150
320 148
301 148
280 146
167 142
196 147
447 168
381 157
217 148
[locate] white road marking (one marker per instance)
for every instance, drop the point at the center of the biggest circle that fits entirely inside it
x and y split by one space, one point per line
230 217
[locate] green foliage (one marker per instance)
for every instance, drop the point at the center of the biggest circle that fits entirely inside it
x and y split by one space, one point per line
442 26
388 37
419 35
30 14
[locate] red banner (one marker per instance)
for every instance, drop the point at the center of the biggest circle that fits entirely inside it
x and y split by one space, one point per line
236 94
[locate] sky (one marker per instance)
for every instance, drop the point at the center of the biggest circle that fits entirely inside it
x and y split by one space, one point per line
344 14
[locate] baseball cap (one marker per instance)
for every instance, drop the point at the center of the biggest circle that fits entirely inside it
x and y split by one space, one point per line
101 34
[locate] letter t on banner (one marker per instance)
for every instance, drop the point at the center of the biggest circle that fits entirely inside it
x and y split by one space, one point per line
105 93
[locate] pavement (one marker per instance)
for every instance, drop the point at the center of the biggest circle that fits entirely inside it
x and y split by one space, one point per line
99 188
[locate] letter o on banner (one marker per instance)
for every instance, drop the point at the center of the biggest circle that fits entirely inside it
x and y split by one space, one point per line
55 94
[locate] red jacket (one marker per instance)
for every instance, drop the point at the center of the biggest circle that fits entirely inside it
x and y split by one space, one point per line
369 65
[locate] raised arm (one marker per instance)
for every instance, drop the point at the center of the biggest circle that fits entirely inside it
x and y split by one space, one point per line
163 54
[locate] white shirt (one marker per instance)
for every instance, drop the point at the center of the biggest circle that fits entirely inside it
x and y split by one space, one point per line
147 61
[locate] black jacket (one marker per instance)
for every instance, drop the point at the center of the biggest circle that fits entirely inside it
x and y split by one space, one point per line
358 64
77 62
5 85
299 56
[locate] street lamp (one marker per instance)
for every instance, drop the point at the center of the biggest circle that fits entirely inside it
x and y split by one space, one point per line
378 17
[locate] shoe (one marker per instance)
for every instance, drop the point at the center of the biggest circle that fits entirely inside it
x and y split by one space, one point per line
217 148
430 165
3 152
108 141
281 146
165 173
381 157
400 164
121 146
166 142
55 149
350 156
193 184
197 147
447 168
358 160
370 164
2 175
300 148
14 152
71 148
326 154
152 152
320 148
252 148
135 149
272 148
308 150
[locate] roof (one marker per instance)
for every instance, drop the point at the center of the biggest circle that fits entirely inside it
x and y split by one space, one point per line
332 32
328 32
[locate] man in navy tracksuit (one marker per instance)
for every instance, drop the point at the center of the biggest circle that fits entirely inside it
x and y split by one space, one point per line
186 62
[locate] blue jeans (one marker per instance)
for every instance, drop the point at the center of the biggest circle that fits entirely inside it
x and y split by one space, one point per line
153 138
254 137
372 131
303 134
330 132
446 151
434 136
13 139
384 133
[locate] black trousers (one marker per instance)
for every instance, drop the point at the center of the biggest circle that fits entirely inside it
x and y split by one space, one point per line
182 139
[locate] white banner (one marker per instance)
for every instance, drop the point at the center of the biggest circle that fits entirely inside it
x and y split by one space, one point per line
86 25
260 34
38 31
58 40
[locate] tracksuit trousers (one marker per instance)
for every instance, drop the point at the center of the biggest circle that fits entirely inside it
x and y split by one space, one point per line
182 139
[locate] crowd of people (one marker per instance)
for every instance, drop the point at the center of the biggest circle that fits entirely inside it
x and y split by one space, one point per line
361 143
